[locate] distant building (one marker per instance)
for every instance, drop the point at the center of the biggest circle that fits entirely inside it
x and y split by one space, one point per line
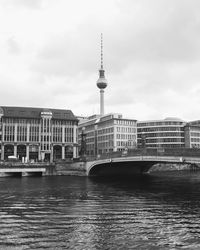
108 133
192 134
38 134
82 118
167 133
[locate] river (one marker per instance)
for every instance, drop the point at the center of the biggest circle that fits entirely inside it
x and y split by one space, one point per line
160 211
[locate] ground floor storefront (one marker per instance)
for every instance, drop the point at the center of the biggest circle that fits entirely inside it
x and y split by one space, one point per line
33 152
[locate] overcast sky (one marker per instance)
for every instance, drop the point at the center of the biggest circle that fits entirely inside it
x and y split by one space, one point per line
50 56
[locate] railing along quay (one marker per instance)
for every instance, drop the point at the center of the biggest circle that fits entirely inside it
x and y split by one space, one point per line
25 165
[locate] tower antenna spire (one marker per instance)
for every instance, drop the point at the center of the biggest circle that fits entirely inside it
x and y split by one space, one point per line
101 50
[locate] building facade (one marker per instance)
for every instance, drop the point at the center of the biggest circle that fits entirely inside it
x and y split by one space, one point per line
108 133
38 134
192 134
167 133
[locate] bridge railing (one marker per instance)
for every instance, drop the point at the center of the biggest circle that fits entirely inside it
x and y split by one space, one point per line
176 152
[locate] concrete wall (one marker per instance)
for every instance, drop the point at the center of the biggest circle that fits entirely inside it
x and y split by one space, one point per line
64 168
75 168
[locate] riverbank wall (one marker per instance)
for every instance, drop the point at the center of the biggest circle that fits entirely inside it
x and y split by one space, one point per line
162 167
8 169
73 168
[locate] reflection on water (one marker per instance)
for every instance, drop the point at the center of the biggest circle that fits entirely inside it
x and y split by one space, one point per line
66 212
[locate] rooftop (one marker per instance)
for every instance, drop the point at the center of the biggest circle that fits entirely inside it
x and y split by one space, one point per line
30 112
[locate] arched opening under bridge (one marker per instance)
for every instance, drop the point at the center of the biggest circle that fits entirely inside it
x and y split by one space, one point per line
120 168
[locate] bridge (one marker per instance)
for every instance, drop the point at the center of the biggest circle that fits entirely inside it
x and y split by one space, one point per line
128 162
140 161
20 169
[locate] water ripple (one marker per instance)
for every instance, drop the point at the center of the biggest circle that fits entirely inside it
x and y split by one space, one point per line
152 212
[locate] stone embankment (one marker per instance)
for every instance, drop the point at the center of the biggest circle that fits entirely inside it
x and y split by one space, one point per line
73 168
161 167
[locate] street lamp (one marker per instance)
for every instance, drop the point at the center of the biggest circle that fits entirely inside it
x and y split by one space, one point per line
143 139
83 143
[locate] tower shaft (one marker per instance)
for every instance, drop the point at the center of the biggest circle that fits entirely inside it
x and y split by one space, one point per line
101 102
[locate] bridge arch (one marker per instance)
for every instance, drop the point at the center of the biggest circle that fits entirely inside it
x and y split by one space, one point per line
136 164
109 167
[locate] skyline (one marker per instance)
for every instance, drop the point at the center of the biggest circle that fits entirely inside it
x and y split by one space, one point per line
50 56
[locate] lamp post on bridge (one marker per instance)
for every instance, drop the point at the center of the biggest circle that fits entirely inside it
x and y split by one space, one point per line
125 149
143 142
83 144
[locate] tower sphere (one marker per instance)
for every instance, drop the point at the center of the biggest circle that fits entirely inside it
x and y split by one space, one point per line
102 82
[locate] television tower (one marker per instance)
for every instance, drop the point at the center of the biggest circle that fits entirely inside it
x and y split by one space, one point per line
102 82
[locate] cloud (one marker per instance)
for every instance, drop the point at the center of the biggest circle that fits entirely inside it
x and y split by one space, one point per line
32 4
50 55
65 55
166 31
13 46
